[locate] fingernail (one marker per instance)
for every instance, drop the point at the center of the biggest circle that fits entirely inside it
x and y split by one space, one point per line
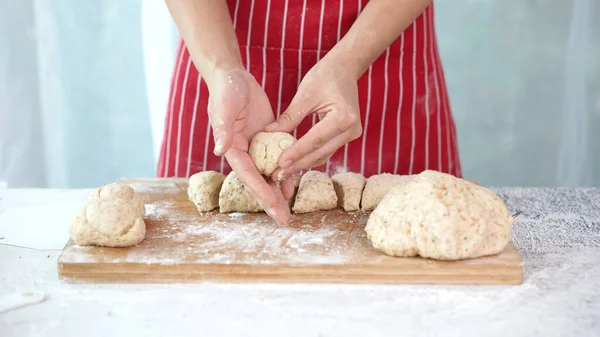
273 125
271 213
218 145
275 216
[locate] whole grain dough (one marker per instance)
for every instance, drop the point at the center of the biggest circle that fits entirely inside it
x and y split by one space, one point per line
265 149
234 197
376 188
204 188
436 215
296 179
315 193
113 216
349 187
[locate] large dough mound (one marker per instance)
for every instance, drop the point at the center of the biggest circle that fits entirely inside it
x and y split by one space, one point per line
204 188
315 193
348 187
376 188
436 215
234 197
265 149
112 217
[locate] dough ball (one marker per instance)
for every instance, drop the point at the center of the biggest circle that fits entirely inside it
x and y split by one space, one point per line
436 215
112 217
265 149
349 187
204 188
376 188
121 192
315 193
296 179
234 197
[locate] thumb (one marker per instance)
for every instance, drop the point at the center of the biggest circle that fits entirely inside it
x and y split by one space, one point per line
292 117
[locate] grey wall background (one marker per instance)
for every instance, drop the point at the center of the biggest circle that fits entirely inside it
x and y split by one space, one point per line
523 75
73 106
524 82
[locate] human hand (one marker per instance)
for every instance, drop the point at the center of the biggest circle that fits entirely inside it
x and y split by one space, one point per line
238 108
331 92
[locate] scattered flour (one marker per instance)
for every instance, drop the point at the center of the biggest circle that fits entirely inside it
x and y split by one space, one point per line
212 238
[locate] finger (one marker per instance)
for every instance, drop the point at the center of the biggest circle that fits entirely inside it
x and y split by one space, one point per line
319 156
292 116
279 216
222 117
335 123
287 188
276 175
268 195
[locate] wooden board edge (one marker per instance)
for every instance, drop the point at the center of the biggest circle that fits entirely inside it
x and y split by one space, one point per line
63 251
358 274
510 277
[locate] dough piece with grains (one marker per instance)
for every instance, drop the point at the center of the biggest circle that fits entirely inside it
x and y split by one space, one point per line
315 193
376 188
296 179
349 187
113 216
234 197
265 149
204 188
436 215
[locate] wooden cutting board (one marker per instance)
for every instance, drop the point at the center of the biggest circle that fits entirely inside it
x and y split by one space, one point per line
182 245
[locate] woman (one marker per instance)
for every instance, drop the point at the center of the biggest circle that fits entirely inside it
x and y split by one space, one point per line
359 83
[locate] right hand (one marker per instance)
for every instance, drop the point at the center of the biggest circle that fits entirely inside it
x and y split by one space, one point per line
330 90
238 108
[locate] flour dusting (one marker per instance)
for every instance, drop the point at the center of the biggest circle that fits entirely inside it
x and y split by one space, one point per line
261 240
176 235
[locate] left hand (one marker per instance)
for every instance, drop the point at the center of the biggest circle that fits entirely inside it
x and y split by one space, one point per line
238 109
330 91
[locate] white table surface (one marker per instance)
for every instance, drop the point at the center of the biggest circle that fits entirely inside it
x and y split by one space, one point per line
558 235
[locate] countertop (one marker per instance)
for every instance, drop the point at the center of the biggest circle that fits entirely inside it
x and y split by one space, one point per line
558 235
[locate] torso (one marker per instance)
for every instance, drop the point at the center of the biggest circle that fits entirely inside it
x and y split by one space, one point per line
406 117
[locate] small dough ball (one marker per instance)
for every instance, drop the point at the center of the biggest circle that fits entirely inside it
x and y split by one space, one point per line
436 215
376 188
315 193
112 217
348 187
265 149
113 191
296 179
121 192
234 197
204 188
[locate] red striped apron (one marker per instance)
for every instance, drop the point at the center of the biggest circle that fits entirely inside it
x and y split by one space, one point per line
407 123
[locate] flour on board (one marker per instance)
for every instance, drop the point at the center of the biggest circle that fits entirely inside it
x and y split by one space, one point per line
174 236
